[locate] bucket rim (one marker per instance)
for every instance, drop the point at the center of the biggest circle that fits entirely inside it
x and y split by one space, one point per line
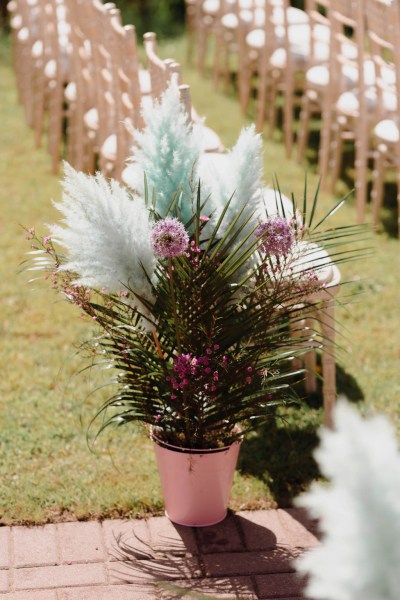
184 450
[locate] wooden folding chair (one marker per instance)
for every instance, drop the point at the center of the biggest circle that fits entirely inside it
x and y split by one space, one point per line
319 319
26 28
207 16
79 93
383 30
276 51
316 77
345 114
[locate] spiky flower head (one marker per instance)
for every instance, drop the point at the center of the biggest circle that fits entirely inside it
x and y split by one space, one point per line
276 235
169 238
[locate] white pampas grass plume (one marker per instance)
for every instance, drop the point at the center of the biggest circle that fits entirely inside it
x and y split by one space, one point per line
239 176
106 233
359 511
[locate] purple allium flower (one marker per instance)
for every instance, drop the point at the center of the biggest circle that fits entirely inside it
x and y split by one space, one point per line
169 238
276 235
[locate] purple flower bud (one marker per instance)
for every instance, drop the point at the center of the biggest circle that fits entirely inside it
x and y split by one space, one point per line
169 238
276 235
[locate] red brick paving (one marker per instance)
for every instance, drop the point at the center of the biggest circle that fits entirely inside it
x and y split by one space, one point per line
4 546
249 556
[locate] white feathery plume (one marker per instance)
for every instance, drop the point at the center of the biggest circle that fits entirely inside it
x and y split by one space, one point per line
238 176
166 150
106 234
359 511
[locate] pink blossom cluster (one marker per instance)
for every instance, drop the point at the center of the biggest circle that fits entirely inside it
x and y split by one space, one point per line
276 235
45 243
195 254
169 238
200 373
309 282
78 294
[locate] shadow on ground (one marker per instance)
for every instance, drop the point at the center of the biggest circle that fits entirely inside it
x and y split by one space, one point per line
208 562
281 452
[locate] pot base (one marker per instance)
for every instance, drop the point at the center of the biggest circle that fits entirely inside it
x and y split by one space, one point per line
187 524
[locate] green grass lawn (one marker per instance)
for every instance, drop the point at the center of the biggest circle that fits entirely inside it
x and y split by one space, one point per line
47 471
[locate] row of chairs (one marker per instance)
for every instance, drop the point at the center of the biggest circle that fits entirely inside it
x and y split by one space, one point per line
79 79
336 58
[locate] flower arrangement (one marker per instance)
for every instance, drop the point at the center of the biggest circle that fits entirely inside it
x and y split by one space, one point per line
195 286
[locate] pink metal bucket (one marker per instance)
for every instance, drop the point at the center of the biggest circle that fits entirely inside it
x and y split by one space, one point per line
196 484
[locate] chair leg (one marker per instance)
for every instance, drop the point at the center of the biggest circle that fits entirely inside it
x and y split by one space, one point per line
245 79
325 143
229 45
39 99
202 48
327 321
304 127
335 164
398 197
288 116
361 150
310 364
378 183
272 110
261 100
219 42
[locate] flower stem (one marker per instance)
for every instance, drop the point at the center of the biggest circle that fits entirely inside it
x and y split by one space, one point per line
173 298
158 345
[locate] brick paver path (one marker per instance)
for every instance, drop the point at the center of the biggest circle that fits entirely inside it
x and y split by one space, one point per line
247 556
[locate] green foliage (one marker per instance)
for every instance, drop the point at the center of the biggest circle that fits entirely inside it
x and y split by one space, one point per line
164 17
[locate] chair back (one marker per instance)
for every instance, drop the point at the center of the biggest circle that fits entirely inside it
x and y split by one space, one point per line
159 69
383 31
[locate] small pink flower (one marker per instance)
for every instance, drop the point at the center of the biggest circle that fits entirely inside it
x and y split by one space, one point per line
204 218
